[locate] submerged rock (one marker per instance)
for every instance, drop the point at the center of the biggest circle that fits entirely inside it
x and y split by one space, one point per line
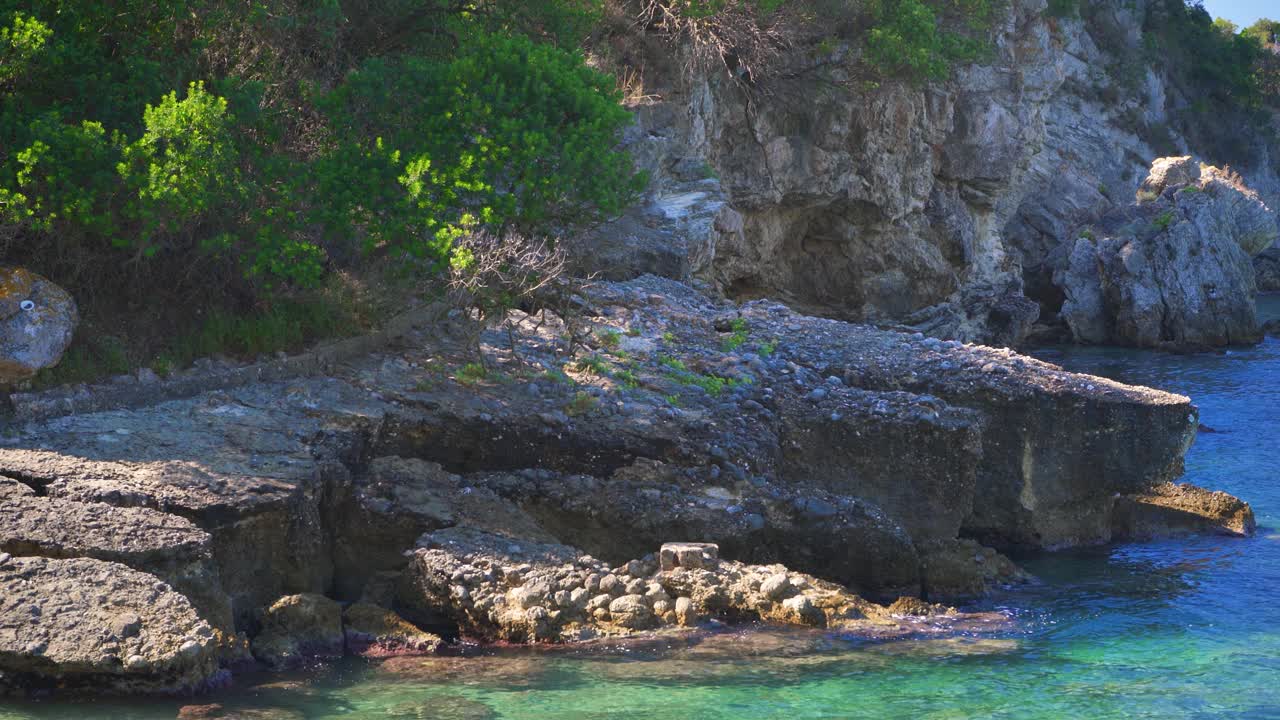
297 627
374 631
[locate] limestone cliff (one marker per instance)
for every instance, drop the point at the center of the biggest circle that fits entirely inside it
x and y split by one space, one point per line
930 205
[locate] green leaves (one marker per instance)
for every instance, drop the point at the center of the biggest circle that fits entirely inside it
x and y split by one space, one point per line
507 134
184 165
20 42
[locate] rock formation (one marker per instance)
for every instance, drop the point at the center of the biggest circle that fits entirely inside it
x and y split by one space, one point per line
493 588
1175 268
848 457
37 319
935 206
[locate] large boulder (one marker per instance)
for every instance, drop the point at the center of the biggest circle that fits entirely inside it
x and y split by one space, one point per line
100 627
1174 269
37 320
296 627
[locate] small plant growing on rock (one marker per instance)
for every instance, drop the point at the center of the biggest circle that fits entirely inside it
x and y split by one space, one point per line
740 331
633 332
628 378
1164 220
472 373
1145 196
1087 234
672 363
593 364
668 337
581 404
609 339
558 376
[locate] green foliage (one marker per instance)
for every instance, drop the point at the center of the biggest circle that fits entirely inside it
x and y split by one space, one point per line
1064 8
217 134
671 363
20 42
609 339
912 37
628 378
509 134
471 373
740 332
581 404
1266 31
1163 221
594 365
765 349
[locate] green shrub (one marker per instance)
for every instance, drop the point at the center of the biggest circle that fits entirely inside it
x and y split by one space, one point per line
507 134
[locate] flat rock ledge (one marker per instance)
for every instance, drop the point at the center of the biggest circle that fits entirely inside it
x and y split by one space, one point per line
834 466
99 626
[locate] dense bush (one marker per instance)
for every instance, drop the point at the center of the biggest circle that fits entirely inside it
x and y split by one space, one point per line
211 132
506 134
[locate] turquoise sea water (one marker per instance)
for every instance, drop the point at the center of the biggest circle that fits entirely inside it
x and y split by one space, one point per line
1185 629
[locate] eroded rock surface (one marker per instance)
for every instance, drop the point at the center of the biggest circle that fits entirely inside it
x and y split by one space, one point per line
1175 268
817 449
495 588
99 626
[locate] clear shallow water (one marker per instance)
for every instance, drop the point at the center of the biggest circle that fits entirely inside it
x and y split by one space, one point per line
1186 629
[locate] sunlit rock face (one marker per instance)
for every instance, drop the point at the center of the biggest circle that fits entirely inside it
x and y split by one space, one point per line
938 206
1174 268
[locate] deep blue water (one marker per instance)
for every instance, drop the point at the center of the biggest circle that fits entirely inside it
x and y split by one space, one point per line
1185 629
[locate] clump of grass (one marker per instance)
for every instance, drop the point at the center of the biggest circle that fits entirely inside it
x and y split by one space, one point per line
766 349
628 378
740 332
558 376
633 332
668 337
609 339
1087 234
581 404
672 363
593 364
1164 220
471 373
1145 196
102 356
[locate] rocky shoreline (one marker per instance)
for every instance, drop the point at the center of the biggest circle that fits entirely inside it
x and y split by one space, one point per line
833 466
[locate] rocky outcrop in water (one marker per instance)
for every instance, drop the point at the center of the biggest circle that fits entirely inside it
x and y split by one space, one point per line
494 588
843 453
1175 268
